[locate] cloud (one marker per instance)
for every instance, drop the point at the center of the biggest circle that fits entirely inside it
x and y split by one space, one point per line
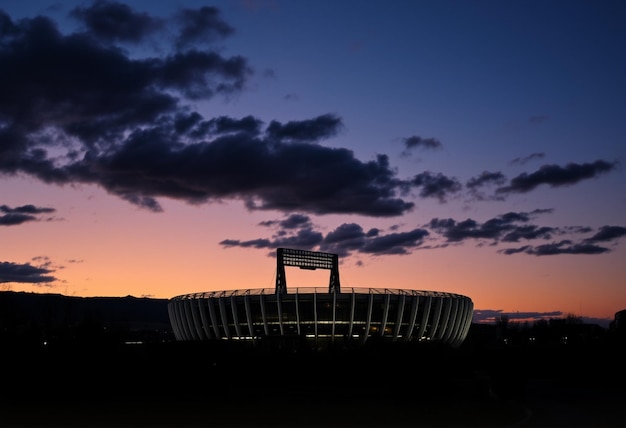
344 239
305 131
504 227
514 227
552 175
526 159
485 179
267 175
303 239
203 25
562 247
253 243
607 233
298 231
78 109
555 176
24 273
292 221
116 22
21 214
395 243
436 185
416 141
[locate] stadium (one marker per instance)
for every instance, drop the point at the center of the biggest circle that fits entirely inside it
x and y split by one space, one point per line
321 315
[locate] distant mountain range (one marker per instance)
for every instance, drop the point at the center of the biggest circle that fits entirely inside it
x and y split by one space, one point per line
29 313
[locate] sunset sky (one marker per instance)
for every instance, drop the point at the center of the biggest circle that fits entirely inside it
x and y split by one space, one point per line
154 149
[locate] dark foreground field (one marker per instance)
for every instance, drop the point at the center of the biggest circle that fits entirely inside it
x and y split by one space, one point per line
201 385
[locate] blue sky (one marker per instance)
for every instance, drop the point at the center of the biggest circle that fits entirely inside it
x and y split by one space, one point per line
407 136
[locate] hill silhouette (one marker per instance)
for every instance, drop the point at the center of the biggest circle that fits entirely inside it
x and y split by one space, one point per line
32 318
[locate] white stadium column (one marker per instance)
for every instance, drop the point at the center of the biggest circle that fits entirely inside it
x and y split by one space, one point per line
298 313
196 321
266 328
279 308
213 316
424 322
206 324
353 300
414 308
246 301
315 312
400 311
187 319
171 310
368 321
383 321
445 318
223 315
436 316
332 334
233 308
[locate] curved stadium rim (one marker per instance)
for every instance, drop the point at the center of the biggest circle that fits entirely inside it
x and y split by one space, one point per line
316 290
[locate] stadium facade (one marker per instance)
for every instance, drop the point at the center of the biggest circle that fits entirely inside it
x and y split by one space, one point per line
321 315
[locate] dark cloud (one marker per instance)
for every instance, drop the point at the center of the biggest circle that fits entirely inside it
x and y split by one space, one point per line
528 232
555 176
115 22
15 219
540 211
305 239
526 159
193 126
485 179
294 176
298 231
24 273
415 142
555 248
395 243
607 233
77 108
436 185
514 227
72 90
305 131
21 214
292 221
505 225
373 232
346 239
201 26
26 209
253 243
